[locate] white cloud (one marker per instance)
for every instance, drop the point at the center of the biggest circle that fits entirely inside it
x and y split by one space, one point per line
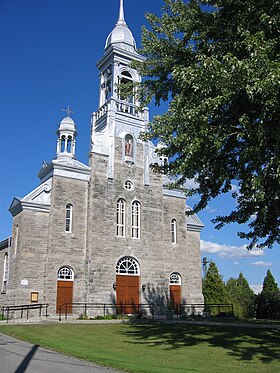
261 264
210 209
229 251
234 188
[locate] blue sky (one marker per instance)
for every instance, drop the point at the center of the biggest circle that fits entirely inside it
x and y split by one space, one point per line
48 54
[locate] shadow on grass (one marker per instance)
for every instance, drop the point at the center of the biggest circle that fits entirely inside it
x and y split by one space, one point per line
242 343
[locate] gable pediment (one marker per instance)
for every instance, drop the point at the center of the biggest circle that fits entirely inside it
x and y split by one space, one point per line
40 195
39 199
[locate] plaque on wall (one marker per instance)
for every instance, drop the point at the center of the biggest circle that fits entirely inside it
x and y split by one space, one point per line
34 296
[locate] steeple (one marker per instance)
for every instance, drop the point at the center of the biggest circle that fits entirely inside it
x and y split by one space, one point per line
121 34
118 118
121 20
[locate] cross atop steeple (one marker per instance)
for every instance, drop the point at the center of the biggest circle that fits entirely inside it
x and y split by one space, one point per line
121 20
68 111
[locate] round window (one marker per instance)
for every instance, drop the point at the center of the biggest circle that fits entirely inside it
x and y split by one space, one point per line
128 185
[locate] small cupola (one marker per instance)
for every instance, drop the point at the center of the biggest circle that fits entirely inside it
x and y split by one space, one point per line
66 141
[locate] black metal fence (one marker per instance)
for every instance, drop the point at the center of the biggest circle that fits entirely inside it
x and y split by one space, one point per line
204 310
105 309
179 310
88 310
8 310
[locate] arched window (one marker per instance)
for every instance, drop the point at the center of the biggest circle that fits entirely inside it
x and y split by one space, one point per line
135 219
15 244
68 218
69 144
65 274
127 266
5 273
173 231
121 218
175 279
62 144
126 78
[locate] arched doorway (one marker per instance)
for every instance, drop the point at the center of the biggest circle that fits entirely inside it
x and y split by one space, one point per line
127 285
65 279
175 291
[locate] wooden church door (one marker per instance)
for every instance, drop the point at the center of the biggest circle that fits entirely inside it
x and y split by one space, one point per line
65 281
127 286
175 291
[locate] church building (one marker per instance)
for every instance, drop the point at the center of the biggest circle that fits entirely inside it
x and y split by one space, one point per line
109 231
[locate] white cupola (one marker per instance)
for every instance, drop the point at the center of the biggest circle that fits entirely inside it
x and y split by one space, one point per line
66 141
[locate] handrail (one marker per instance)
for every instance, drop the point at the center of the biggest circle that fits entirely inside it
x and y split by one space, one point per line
119 308
23 307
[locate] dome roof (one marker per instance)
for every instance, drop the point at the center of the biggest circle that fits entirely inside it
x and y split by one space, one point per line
67 124
121 33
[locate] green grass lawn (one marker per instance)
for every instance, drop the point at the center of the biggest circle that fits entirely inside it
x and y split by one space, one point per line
161 348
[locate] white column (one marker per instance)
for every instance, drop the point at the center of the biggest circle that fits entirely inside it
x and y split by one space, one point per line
58 146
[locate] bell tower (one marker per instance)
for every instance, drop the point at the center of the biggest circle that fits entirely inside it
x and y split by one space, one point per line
118 117
66 138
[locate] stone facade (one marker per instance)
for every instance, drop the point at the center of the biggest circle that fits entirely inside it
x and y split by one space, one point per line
90 246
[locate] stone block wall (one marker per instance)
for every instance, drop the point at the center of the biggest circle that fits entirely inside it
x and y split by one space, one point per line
67 248
157 256
28 257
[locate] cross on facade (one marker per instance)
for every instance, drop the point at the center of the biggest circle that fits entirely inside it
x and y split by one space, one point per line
68 111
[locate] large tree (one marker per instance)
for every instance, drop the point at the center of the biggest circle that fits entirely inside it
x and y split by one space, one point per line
213 287
268 302
241 296
217 64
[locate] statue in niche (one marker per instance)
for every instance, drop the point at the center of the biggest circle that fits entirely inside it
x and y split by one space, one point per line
128 147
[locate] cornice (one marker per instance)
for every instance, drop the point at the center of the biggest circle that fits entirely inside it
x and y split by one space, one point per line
114 50
174 193
21 205
67 168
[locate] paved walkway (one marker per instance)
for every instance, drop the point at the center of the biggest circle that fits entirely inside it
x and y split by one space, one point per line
23 357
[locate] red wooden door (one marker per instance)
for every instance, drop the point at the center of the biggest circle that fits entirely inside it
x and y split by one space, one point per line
64 295
127 294
175 297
